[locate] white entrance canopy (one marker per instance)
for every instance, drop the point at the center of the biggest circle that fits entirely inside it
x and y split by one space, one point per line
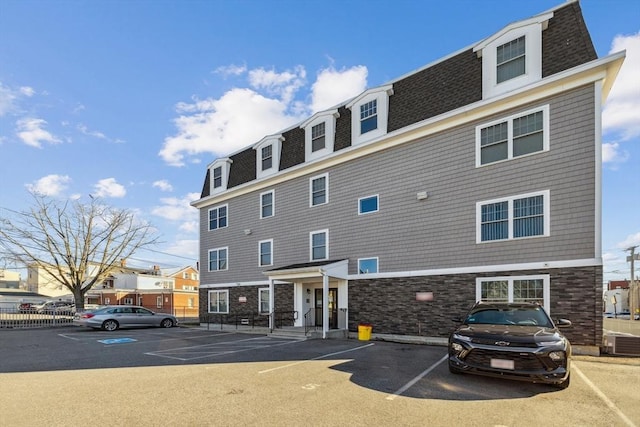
308 272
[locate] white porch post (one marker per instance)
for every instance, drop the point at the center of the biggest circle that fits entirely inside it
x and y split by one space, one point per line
325 305
272 301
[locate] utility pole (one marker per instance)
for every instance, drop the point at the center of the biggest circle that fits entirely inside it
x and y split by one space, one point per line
634 298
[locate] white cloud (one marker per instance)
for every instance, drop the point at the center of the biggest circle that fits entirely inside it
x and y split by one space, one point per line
283 85
108 187
189 227
50 185
622 110
176 209
31 132
612 153
7 100
27 91
221 126
333 87
85 130
243 116
163 185
231 70
631 240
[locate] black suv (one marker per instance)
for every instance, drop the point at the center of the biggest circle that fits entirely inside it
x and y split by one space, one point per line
511 340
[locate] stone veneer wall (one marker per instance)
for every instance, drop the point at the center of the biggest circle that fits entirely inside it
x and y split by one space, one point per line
283 299
390 304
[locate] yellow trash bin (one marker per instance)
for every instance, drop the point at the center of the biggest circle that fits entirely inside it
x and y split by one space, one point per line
364 331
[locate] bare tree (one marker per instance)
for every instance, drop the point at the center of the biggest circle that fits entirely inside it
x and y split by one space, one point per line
78 245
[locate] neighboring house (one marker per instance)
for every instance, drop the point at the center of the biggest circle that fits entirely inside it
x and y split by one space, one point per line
476 177
615 284
10 279
41 282
170 291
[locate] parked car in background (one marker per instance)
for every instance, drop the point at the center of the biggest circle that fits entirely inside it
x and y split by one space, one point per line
27 307
56 307
511 340
113 317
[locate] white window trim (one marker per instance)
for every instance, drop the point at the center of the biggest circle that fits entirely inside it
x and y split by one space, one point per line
209 301
276 143
209 217
326 254
366 259
326 189
509 119
260 290
128 301
546 194
377 196
159 302
225 164
270 241
381 94
532 30
209 259
273 204
546 292
329 119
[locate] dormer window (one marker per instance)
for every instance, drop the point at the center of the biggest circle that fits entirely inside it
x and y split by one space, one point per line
319 134
369 116
512 58
219 171
369 113
318 137
268 155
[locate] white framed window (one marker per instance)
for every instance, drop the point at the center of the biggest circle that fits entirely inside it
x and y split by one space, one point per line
219 301
514 289
516 217
190 302
107 301
369 114
218 217
512 58
128 301
511 137
263 301
319 190
268 155
319 131
368 204
319 245
159 302
218 259
265 253
267 204
367 265
219 175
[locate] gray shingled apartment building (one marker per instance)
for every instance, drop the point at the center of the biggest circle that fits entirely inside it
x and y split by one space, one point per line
476 177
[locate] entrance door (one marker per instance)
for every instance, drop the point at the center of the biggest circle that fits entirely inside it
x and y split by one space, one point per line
333 308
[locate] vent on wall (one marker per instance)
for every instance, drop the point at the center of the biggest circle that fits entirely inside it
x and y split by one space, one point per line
622 345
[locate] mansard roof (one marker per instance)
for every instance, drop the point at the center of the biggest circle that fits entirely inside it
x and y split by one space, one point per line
440 87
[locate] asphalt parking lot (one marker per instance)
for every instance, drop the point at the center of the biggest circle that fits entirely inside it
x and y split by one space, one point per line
194 377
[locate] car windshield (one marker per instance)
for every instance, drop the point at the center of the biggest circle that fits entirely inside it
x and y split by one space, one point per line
523 316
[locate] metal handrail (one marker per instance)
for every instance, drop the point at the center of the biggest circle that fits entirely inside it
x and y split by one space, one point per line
307 321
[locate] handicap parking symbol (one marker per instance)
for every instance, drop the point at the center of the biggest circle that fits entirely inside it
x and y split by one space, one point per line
117 340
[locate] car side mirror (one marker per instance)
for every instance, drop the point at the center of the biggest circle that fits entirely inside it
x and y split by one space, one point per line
563 323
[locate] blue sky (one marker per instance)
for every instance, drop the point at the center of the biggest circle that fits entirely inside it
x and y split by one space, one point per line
130 100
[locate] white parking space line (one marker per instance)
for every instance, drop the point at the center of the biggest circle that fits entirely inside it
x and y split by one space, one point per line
221 348
603 397
315 358
410 384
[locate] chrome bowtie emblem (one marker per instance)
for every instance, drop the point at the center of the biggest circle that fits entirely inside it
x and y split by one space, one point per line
502 343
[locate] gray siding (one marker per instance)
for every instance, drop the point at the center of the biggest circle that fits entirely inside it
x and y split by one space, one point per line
440 232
